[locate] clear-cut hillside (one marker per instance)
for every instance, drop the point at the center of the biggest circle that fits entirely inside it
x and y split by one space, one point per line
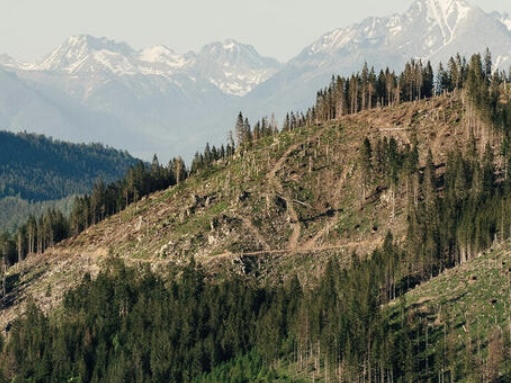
289 202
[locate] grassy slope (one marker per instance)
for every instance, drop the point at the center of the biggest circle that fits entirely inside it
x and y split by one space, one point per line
471 303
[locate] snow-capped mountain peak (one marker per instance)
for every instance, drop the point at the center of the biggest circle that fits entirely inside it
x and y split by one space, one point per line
157 53
68 56
434 21
233 67
232 53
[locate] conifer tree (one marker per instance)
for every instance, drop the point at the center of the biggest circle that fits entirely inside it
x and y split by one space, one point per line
443 80
366 157
427 81
238 130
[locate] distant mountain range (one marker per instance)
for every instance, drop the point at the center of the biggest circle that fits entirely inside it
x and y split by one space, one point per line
158 101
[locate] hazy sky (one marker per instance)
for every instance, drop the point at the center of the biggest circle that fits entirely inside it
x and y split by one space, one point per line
29 29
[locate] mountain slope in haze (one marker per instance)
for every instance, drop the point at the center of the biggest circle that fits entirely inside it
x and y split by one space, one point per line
30 104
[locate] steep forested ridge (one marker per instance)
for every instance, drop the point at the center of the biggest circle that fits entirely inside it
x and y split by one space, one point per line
345 248
37 168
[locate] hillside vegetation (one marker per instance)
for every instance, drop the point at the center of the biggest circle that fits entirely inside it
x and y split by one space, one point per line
346 247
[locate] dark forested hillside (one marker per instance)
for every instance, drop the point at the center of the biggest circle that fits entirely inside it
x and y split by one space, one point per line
37 168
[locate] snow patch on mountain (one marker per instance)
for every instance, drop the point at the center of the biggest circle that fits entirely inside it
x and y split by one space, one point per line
447 14
163 61
239 84
334 40
158 54
506 20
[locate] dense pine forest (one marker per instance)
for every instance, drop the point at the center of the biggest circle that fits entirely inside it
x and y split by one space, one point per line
350 324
